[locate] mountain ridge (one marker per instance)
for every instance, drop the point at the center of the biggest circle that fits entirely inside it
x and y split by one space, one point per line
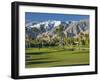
71 28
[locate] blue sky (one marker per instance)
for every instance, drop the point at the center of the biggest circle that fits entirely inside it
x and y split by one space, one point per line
31 16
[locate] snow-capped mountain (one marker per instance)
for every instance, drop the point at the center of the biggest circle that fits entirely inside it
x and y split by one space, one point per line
47 24
71 28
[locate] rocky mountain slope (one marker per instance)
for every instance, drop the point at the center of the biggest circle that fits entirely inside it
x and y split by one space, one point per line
71 28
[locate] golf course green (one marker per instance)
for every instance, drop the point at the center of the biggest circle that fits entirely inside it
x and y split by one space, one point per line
56 57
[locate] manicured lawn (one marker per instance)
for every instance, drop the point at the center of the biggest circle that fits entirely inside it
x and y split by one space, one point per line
56 56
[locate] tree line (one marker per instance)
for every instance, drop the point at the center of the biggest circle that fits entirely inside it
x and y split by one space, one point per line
58 39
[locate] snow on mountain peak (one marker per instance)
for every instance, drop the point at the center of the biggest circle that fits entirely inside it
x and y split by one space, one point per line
71 28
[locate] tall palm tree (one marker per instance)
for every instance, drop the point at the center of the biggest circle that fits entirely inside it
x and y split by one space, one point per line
87 38
35 30
60 33
28 41
50 39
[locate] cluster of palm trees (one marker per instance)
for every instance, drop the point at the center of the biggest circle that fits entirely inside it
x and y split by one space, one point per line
58 39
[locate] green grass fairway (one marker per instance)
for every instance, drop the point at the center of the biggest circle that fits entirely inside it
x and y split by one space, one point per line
56 56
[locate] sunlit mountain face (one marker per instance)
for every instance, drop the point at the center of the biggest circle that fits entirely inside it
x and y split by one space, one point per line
70 28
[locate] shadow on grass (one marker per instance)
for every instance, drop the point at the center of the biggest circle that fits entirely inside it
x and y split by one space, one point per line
77 52
70 49
40 62
71 65
40 53
30 59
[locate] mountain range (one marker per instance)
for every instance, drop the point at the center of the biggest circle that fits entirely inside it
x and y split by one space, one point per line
71 28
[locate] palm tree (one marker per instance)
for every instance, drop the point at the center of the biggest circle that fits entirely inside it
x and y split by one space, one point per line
50 39
28 39
60 33
81 37
35 30
38 40
43 39
87 38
